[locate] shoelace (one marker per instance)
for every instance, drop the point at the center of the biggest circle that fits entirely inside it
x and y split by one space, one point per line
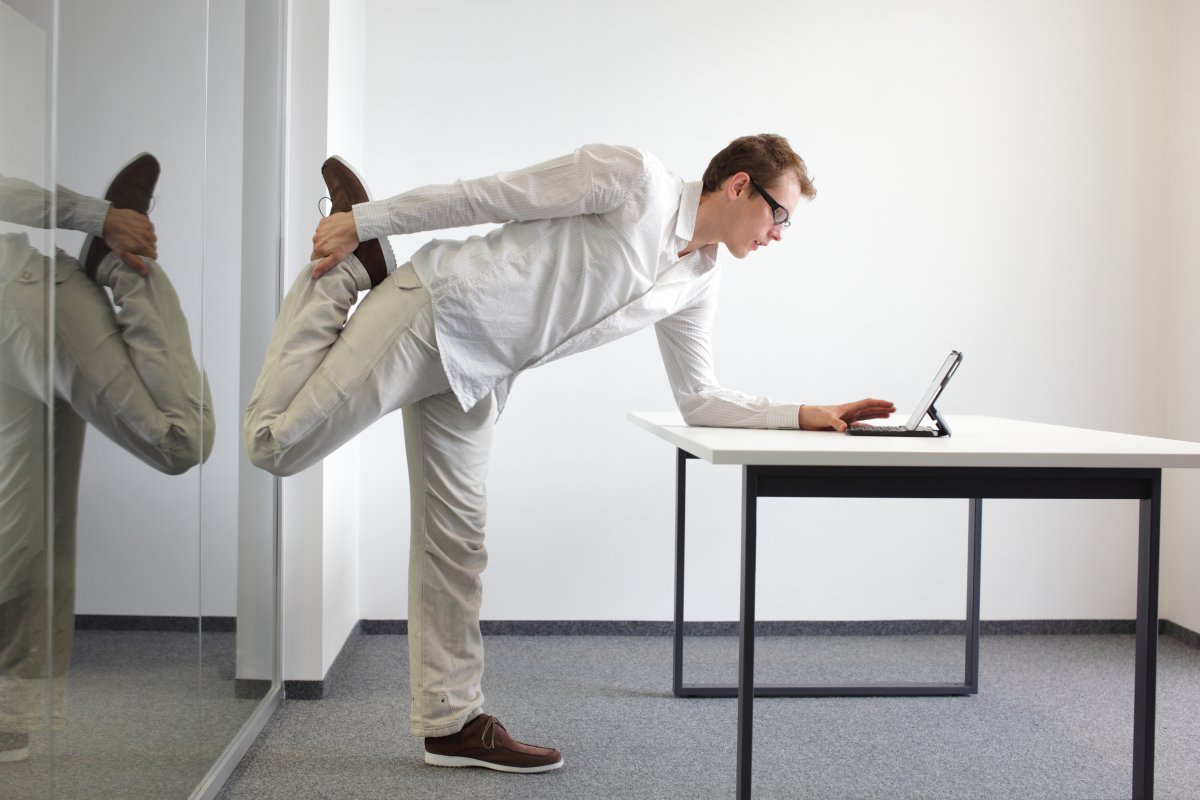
489 727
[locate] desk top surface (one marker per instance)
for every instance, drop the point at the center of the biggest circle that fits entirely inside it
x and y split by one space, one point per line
976 442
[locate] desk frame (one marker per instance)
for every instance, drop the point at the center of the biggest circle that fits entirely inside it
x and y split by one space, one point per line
968 685
974 484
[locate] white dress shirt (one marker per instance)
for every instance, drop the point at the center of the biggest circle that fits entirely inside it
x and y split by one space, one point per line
588 253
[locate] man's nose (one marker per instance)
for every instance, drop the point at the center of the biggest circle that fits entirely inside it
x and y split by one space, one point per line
776 232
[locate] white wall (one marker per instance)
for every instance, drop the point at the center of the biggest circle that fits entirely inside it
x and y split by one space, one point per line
1181 545
997 165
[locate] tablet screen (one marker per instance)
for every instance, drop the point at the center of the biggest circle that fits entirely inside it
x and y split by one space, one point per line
935 388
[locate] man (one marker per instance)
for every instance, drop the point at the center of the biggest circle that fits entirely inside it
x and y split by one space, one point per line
128 371
592 246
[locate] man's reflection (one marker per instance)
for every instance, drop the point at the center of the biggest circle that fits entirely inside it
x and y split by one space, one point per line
124 365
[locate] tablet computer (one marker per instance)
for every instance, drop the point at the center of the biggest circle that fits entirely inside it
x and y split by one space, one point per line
913 427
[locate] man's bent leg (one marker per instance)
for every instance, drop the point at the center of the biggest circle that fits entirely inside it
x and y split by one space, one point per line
325 379
129 370
448 451
310 320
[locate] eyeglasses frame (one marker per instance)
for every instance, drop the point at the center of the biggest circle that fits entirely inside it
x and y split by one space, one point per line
786 222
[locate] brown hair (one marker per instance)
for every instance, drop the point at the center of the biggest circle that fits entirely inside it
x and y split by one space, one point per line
763 157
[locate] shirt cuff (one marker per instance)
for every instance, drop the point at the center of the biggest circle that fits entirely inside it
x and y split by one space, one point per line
372 220
784 416
90 214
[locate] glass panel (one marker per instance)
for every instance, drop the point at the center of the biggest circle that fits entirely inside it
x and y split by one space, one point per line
138 572
238 585
132 81
34 620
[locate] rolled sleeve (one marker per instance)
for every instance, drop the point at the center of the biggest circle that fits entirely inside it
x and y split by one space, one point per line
372 220
85 214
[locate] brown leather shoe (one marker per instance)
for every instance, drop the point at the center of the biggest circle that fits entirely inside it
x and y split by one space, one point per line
131 188
346 189
484 742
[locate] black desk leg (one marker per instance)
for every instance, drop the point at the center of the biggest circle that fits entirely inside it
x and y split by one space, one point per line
681 458
746 635
974 540
1146 664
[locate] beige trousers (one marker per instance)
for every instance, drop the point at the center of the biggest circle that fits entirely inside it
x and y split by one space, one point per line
325 379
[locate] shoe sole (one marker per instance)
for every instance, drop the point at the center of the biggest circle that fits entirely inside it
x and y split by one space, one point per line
462 761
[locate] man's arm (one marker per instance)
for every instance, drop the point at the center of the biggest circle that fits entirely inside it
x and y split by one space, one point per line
593 180
28 204
127 233
685 342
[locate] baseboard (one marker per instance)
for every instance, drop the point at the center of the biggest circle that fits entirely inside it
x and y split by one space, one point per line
250 688
902 627
131 622
315 690
304 690
1188 637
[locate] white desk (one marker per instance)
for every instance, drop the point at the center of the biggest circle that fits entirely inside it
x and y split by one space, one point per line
985 458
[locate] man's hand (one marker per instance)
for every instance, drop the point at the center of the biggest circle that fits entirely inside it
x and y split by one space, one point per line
336 238
130 235
838 418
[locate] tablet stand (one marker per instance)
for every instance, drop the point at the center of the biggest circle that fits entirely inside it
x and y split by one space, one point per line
942 428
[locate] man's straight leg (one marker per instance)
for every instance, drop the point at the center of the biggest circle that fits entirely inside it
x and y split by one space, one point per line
448 451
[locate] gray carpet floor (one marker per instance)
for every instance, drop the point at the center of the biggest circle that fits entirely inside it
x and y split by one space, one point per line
147 714
1053 720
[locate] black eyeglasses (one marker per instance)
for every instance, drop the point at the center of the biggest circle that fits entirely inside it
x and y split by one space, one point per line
781 213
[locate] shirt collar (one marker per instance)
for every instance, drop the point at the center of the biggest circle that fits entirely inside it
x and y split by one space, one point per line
685 225
689 205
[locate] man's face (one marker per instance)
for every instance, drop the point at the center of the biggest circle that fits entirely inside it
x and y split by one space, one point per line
752 223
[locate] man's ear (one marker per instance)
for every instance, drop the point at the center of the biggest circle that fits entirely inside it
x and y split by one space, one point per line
737 184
